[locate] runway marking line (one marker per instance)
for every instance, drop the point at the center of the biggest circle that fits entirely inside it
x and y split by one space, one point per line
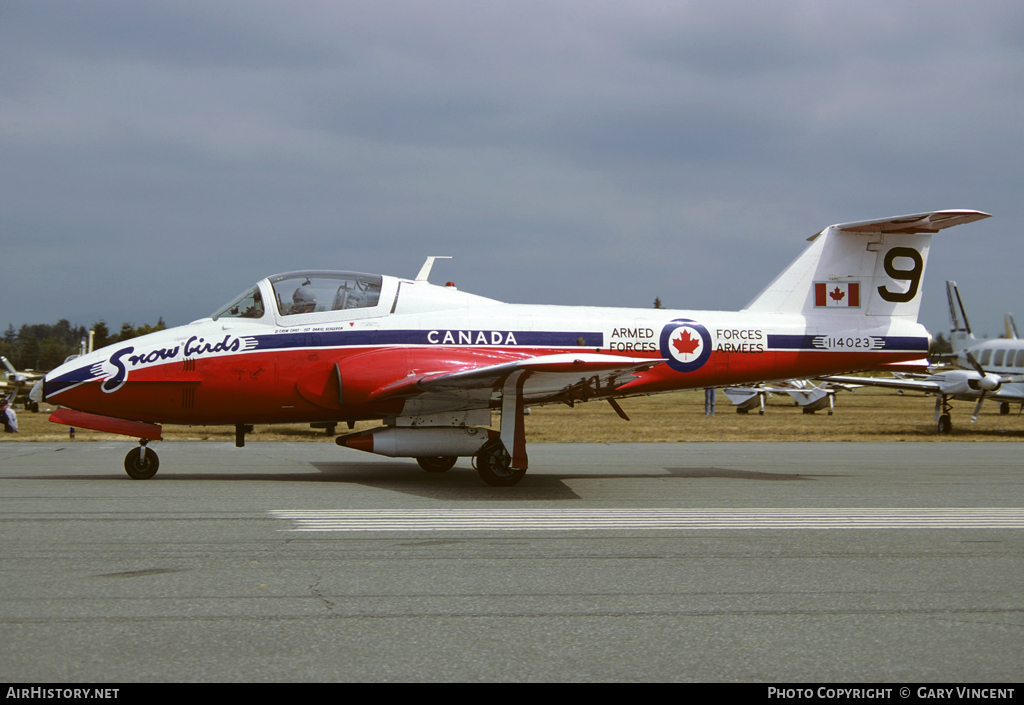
649 519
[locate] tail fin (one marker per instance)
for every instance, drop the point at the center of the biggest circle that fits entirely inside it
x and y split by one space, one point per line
867 268
1011 327
960 336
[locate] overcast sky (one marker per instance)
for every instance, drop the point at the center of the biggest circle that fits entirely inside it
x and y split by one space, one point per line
156 158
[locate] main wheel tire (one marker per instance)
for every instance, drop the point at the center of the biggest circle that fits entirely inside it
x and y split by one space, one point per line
494 465
139 469
1004 408
441 463
945 424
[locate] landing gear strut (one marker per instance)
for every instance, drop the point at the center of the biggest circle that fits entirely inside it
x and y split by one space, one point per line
140 463
942 409
502 462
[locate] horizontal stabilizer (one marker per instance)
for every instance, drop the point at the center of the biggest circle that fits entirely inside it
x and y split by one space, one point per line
931 222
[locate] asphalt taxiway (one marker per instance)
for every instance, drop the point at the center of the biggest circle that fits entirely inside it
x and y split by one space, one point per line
773 562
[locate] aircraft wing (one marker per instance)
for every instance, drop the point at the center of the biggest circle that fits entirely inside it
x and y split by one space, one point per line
561 377
1007 392
920 385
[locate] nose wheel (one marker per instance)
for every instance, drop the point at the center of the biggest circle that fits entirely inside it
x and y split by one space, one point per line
141 463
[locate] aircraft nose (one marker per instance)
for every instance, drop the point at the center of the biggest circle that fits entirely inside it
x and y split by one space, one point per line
38 393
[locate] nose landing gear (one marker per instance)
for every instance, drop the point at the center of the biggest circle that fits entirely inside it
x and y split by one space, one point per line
140 463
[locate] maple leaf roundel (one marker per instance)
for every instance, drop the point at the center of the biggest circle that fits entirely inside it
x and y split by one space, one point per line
685 344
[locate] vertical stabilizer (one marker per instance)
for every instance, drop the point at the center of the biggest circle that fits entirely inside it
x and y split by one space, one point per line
960 336
1011 327
867 268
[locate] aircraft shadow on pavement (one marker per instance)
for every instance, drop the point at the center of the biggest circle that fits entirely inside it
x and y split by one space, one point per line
460 483
724 473
464 484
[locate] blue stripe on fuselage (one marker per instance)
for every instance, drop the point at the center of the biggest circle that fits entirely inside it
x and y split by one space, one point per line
481 337
890 343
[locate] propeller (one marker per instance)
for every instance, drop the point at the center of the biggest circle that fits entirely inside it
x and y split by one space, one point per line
988 382
13 373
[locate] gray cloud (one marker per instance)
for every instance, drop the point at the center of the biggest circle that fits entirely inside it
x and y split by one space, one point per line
156 158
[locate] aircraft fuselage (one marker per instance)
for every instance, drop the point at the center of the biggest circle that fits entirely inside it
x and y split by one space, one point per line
233 371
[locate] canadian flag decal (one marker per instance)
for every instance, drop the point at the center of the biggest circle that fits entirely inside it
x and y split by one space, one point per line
842 294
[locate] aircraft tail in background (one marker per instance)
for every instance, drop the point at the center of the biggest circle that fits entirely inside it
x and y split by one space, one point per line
960 335
1011 327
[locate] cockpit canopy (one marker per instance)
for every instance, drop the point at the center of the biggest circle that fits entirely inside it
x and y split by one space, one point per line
314 292
321 297
247 305
308 292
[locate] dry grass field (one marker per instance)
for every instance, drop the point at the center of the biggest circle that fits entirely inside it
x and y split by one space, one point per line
863 415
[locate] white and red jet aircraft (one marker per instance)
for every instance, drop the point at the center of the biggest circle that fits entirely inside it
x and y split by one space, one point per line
434 363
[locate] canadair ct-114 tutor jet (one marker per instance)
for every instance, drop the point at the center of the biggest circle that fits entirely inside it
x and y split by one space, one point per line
433 363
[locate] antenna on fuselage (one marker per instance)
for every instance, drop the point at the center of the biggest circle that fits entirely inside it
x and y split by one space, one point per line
425 269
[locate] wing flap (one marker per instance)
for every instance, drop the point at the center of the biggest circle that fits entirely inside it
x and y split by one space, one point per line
548 375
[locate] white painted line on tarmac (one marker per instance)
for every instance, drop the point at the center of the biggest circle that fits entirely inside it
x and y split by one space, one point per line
639 519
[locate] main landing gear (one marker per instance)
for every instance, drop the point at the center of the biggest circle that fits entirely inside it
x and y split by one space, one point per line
942 418
494 465
493 462
441 463
502 462
141 463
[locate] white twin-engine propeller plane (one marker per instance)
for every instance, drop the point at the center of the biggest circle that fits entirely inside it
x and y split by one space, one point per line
434 363
997 376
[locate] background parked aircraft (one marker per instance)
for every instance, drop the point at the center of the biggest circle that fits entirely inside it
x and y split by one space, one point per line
988 369
804 393
18 384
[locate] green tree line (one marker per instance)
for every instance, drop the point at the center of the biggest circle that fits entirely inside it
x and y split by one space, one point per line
43 347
